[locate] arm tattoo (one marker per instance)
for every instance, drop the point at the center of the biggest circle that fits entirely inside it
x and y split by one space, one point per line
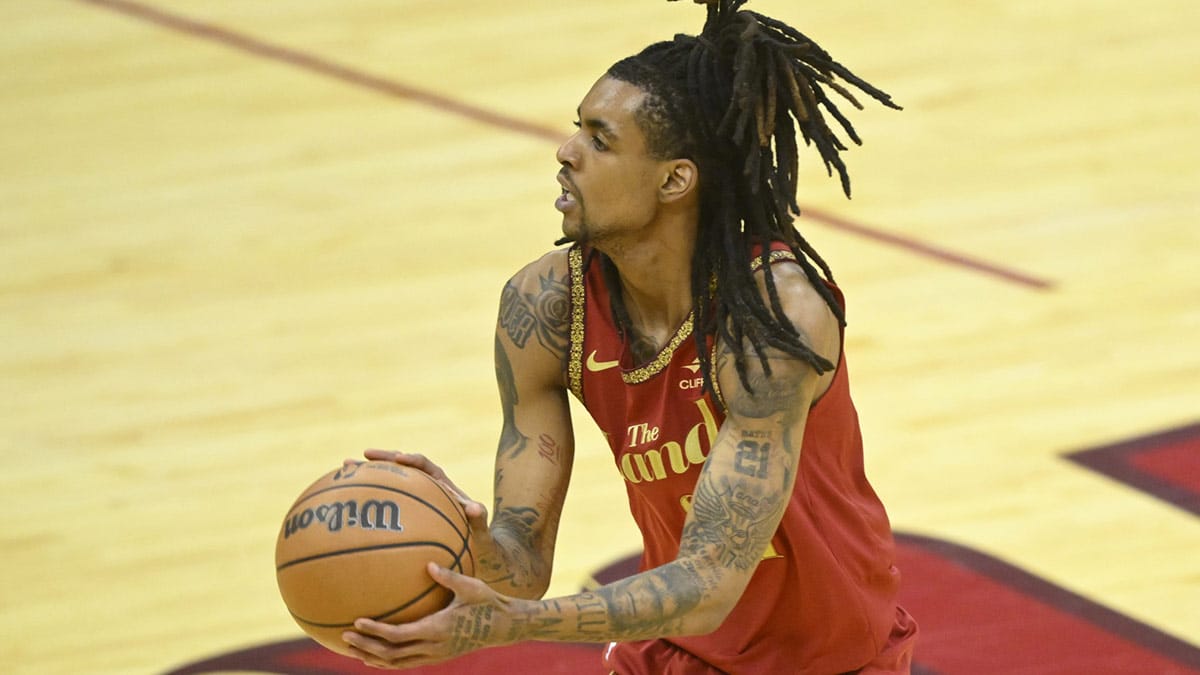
472 630
528 625
769 395
545 314
518 521
775 395
731 521
651 604
751 458
548 448
770 390
513 530
512 441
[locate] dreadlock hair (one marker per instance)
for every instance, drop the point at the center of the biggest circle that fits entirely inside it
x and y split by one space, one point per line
731 99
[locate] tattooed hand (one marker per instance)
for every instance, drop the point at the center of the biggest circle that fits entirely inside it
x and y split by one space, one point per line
478 617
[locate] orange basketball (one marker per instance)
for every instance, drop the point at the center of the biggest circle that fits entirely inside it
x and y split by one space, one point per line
356 543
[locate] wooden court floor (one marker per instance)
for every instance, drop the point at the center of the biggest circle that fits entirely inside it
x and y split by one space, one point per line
240 241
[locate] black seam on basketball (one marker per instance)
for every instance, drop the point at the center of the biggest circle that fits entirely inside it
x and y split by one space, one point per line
458 559
432 587
363 549
378 617
457 564
432 507
466 548
458 507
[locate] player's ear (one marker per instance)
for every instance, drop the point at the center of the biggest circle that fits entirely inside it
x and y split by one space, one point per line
681 178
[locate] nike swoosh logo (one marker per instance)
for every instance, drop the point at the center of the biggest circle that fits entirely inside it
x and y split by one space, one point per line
597 366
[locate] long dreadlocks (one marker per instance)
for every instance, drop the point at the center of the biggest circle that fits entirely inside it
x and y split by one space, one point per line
731 100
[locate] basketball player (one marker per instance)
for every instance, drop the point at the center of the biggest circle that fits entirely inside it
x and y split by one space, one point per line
704 335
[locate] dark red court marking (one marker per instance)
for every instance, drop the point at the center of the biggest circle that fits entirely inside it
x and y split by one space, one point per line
1166 465
324 67
319 66
978 615
981 615
929 250
305 657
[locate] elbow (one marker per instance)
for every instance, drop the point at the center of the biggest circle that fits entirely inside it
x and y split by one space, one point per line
702 623
713 595
534 590
515 572
689 596
523 592
529 586
709 616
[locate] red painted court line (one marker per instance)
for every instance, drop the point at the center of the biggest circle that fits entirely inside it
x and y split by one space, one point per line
929 250
324 67
320 66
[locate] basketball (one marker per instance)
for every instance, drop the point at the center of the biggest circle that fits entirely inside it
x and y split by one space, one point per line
356 543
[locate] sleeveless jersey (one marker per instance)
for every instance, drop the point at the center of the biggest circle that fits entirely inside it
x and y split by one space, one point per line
822 599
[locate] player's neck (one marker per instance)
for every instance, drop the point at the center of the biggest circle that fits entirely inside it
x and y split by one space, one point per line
656 283
655 267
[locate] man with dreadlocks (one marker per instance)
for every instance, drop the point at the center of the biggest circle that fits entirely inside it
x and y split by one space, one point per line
704 336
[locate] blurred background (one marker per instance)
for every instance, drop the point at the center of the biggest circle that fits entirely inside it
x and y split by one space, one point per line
241 241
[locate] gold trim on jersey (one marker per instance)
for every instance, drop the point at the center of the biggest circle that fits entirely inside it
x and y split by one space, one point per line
774 256
712 374
575 361
639 375
660 362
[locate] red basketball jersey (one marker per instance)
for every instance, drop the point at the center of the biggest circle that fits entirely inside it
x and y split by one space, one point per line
823 598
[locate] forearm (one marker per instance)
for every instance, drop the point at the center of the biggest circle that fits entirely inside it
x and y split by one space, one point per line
515 566
671 600
534 453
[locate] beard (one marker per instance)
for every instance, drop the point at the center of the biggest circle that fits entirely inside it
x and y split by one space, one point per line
581 233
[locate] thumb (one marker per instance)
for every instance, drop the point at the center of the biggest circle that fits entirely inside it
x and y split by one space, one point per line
464 587
477 517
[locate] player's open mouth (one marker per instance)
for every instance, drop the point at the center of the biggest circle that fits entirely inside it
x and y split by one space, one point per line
566 200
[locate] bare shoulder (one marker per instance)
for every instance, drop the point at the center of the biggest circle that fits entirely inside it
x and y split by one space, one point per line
805 307
776 382
553 263
535 306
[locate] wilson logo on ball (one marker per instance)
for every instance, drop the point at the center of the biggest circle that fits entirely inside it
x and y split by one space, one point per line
373 514
358 542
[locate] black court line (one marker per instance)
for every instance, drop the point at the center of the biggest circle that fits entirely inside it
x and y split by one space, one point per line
392 88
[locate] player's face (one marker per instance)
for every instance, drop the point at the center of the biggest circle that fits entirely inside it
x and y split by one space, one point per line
609 182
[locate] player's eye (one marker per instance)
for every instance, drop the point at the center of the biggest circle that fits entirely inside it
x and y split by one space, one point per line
597 142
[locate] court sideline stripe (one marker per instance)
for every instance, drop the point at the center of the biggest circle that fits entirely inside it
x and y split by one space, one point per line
392 88
929 250
324 67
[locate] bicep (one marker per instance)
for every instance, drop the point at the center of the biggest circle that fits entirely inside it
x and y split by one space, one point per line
536 446
750 472
736 507
748 477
